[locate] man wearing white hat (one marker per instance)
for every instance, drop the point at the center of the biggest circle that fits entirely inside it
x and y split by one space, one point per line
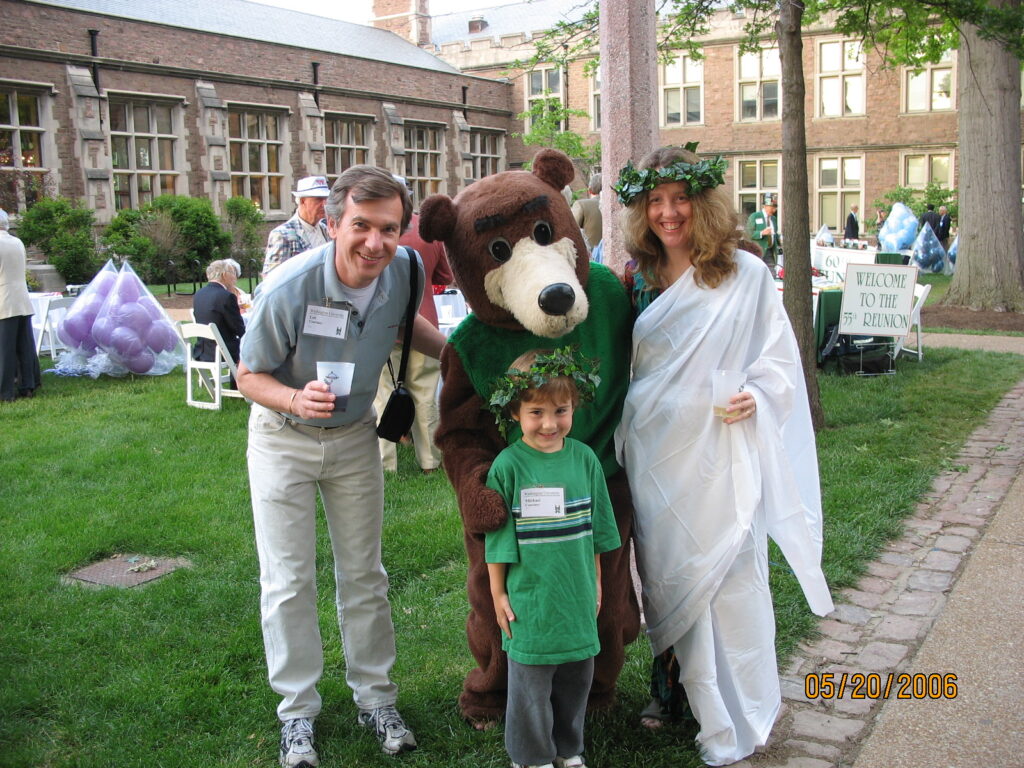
305 230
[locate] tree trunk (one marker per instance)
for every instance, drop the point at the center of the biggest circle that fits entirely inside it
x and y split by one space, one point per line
990 263
796 218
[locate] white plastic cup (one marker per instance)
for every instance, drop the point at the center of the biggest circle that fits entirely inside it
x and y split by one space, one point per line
725 384
338 376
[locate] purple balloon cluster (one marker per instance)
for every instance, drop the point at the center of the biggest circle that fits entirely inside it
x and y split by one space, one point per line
122 319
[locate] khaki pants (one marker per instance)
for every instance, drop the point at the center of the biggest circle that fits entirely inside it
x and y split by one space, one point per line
421 380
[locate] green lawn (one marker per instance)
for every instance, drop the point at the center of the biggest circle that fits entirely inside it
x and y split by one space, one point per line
172 674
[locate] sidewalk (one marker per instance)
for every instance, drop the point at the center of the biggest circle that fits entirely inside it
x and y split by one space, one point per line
946 598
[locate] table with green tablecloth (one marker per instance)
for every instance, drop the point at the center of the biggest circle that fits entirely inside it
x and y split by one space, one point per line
830 304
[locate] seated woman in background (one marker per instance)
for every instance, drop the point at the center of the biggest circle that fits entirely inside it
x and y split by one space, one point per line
217 303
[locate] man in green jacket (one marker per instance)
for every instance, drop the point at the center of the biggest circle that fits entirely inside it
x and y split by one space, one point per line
763 229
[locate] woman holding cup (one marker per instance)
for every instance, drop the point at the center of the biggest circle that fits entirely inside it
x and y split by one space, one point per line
709 490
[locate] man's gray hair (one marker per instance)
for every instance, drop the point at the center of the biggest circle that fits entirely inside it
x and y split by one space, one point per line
217 269
5 221
595 184
364 183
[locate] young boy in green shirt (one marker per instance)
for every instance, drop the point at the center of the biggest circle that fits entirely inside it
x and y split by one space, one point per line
544 563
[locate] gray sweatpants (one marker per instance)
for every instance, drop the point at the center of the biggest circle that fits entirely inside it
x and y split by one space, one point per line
544 714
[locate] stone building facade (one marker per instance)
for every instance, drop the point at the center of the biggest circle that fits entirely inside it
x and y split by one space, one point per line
117 101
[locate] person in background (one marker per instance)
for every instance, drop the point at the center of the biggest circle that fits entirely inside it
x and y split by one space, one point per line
217 303
422 372
763 229
305 229
943 231
587 212
931 218
852 229
880 216
343 304
19 366
709 488
544 563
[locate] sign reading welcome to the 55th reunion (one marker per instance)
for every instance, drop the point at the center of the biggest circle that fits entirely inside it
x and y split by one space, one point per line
877 299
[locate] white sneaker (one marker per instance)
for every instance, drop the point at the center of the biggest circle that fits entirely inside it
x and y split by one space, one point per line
570 762
297 744
390 728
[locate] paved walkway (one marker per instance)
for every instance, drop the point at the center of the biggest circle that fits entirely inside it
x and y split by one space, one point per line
945 599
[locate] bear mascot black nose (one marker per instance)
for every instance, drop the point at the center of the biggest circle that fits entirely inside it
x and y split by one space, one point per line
557 299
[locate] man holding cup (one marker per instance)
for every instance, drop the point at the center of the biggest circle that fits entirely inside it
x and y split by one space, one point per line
342 304
763 229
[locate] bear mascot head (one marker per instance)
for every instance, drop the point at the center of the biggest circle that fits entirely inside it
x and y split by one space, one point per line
521 261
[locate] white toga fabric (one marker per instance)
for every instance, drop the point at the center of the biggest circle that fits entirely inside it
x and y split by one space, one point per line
707 495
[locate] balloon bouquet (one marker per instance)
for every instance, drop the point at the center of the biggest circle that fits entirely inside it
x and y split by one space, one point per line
899 230
929 254
117 327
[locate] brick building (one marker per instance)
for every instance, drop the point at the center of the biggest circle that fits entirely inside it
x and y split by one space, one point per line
117 101
868 129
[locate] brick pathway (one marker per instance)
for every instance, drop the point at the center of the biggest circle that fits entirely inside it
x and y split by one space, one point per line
881 623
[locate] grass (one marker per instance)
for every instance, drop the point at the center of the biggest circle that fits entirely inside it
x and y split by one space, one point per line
173 674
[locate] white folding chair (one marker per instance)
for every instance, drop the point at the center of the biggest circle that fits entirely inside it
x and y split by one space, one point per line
53 312
920 294
213 377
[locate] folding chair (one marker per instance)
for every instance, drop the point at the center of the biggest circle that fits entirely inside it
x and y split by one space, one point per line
213 377
51 316
920 294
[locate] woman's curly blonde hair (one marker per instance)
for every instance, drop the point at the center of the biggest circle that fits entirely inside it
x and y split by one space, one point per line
713 226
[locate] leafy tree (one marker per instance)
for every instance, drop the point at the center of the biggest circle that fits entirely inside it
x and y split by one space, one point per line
244 222
548 119
62 230
918 200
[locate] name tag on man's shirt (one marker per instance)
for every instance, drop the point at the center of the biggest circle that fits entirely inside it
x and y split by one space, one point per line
329 322
542 502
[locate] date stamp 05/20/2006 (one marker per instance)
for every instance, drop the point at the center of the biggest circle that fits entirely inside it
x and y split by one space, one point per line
895 685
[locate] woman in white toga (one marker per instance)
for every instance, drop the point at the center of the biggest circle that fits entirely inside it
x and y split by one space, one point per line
708 491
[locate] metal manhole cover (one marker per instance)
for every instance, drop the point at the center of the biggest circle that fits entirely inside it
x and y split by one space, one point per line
127 570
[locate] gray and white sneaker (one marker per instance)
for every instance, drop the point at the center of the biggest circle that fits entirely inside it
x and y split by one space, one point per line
390 728
297 749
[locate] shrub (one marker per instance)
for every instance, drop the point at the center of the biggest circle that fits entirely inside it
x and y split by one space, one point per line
31 281
202 238
62 230
244 223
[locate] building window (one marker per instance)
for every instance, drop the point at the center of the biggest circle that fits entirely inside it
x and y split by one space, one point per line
754 179
543 91
347 142
921 170
840 78
839 187
485 149
21 146
760 73
931 89
595 101
142 151
423 147
256 148
682 91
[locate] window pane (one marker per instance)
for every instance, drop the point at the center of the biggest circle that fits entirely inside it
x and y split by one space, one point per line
30 150
275 192
915 171
770 174
238 186
854 97
122 193
162 115
119 152
672 72
748 204
118 117
329 131
252 126
256 190
672 105
853 56
236 156
827 210
28 110
555 80
770 91
271 123
831 57
829 173
748 175
750 66
693 105
255 161
536 83
235 125
771 65
272 155
830 97
167 185
5 109
942 95
748 101
851 198
940 170
143 154
917 92
332 162
694 71
7 148
851 171
166 154
140 115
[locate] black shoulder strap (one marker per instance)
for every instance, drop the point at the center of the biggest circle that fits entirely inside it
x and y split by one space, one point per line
410 312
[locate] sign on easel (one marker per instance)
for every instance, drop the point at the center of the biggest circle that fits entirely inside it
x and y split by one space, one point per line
878 299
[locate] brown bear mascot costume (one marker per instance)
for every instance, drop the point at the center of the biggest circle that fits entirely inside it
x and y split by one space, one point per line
521 262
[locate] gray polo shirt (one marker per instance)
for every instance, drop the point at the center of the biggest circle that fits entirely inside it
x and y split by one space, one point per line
276 340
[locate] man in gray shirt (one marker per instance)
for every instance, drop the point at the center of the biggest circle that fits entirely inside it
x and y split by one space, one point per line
342 304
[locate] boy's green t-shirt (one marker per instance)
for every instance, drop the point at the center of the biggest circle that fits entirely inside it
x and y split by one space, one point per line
551 579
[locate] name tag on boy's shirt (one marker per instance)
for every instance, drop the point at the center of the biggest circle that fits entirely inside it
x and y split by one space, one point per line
542 502
329 322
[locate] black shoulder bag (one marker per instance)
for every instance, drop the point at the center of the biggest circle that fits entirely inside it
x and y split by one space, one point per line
400 410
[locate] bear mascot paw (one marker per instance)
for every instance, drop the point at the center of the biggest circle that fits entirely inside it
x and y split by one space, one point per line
520 260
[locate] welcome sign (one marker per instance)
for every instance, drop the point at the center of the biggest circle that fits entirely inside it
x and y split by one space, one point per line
877 299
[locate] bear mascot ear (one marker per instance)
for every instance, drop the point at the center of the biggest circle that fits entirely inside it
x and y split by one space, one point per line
554 168
437 218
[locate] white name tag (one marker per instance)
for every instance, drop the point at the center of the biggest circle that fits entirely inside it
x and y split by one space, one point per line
542 502
330 322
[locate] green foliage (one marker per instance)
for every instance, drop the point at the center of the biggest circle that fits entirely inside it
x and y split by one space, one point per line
917 200
62 229
547 119
704 174
202 237
244 222
31 281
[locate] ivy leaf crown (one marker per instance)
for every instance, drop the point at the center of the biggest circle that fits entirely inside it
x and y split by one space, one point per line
704 174
561 362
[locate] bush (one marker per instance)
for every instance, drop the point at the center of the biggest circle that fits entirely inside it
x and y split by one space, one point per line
62 230
202 238
244 223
